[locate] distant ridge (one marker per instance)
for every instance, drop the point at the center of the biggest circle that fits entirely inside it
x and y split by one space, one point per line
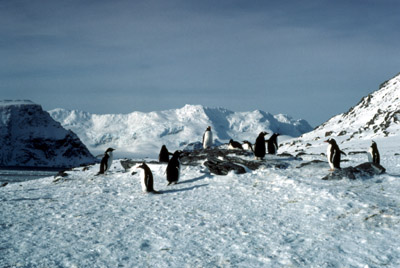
144 133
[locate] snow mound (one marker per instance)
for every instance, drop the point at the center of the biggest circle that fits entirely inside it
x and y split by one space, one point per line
142 134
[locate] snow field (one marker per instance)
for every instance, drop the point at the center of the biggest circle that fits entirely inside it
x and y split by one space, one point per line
264 218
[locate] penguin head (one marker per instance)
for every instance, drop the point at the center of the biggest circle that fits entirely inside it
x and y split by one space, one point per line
143 165
109 150
177 154
330 141
263 133
230 141
374 145
208 128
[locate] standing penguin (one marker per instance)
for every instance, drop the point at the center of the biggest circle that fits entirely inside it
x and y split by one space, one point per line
259 146
273 144
163 157
234 145
147 179
207 138
333 154
106 161
174 168
373 154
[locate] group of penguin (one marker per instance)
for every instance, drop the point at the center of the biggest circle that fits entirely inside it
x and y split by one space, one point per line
259 150
334 154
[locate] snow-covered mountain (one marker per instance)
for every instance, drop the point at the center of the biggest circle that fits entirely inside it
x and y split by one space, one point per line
29 137
375 117
143 134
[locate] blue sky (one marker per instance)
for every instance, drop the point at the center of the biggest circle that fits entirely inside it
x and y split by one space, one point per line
308 59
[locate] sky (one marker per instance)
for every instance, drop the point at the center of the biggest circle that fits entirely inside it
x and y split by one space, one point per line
308 59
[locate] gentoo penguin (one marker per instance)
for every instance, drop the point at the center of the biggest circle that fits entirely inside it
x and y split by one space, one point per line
373 154
247 145
259 146
163 157
147 179
234 145
174 168
333 154
273 144
106 161
207 138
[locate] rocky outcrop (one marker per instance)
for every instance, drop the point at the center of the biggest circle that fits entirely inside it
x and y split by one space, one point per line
29 137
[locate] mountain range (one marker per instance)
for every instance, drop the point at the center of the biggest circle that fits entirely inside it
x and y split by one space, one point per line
143 134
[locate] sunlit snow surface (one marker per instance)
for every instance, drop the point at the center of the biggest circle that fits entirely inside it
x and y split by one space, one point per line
264 218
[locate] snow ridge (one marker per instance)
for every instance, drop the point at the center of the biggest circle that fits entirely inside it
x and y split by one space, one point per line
143 134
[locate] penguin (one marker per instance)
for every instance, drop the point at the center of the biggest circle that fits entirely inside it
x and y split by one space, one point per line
163 157
207 138
174 168
373 154
273 144
234 145
333 154
259 146
247 145
106 161
147 179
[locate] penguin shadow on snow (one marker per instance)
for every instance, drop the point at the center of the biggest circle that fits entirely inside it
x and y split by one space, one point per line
182 189
196 179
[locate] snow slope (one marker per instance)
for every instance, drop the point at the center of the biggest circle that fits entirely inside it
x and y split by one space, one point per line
143 134
264 218
30 137
376 117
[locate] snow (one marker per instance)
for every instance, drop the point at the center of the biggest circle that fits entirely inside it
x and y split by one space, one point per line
140 134
264 218
268 217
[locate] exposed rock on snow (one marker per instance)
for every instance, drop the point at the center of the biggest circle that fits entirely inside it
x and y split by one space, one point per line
363 171
221 161
141 134
29 137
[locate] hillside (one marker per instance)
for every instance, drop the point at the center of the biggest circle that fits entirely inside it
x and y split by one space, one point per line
375 117
143 134
29 137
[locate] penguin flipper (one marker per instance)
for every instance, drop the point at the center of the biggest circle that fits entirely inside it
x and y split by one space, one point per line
343 153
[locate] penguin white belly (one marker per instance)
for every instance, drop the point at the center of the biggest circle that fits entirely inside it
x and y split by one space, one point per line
370 157
246 147
143 182
109 161
329 156
208 139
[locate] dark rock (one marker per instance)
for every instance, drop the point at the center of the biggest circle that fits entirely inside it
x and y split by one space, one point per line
363 171
313 163
221 167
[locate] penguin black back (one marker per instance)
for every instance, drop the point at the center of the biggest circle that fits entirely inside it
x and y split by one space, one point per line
374 153
106 161
234 145
273 144
163 157
334 154
147 180
173 168
259 146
